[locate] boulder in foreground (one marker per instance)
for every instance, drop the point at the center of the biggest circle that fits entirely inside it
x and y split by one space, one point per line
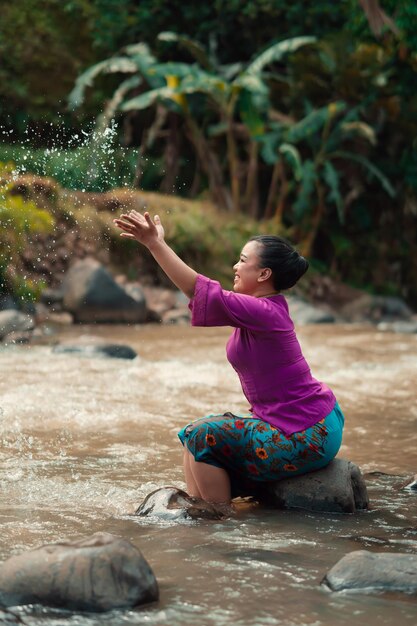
337 488
369 571
99 573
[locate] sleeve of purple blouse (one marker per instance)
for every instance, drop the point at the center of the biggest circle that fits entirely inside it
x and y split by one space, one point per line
213 306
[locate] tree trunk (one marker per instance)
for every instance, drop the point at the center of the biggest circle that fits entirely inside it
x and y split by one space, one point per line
308 242
251 201
210 165
233 161
282 195
171 156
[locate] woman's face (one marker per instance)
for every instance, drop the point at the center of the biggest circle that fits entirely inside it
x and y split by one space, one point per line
247 270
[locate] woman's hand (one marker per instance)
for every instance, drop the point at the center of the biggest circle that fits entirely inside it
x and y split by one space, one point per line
141 227
151 234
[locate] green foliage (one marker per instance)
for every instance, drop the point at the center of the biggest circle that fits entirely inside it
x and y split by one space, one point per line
92 167
19 220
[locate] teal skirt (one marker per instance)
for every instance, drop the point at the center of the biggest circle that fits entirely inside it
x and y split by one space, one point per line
252 450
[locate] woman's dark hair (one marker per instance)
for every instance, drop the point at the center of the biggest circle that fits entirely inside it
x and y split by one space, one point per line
287 264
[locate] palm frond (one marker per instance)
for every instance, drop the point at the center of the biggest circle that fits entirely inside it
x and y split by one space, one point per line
373 169
108 66
192 46
277 51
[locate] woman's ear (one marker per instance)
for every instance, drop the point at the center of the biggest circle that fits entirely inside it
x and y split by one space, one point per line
265 274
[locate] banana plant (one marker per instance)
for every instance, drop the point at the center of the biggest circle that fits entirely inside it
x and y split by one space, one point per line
234 94
307 156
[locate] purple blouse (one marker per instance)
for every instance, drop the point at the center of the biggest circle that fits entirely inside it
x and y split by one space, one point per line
264 351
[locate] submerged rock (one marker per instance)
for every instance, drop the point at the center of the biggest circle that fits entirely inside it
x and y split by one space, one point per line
99 573
337 488
364 571
8 618
91 294
112 350
12 321
412 486
173 503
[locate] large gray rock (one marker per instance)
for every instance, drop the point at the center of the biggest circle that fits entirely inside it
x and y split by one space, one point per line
99 573
338 488
173 503
304 313
92 295
376 309
363 570
13 321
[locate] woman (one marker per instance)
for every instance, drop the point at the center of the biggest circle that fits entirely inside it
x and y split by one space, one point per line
295 424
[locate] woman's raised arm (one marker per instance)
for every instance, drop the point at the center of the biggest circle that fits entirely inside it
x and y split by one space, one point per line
151 234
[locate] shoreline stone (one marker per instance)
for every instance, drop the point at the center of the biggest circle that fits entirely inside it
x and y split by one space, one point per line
109 350
369 571
92 295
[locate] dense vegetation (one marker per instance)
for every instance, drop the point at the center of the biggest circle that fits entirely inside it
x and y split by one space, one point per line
294 112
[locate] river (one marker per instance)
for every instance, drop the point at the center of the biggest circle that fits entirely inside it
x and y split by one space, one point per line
83 440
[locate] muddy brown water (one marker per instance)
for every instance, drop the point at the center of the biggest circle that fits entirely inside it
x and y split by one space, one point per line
83 440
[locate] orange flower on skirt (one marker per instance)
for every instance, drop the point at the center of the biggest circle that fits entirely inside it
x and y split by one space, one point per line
290 468
239 424
261 453
211 440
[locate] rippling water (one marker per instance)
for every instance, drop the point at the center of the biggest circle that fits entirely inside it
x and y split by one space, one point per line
83 440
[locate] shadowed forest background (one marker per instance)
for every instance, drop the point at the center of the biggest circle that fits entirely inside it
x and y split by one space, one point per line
296 118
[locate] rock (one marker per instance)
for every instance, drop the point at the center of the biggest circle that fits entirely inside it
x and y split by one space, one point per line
337 488
176 316
7 302
99 573
52 297
363 571
18 337
304 313
112 350
7 618
173 503
92 295
368 308
407 327
412 486
14 321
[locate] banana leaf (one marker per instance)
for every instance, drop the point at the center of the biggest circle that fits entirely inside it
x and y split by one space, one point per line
147 99
277 51
331 178
372 169
293 158
313 122
108 66
192 46
250 115
304 201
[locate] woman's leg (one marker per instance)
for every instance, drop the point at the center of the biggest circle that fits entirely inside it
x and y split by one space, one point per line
213 483
192 488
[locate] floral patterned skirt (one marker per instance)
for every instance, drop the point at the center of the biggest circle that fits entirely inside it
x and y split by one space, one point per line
252 450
